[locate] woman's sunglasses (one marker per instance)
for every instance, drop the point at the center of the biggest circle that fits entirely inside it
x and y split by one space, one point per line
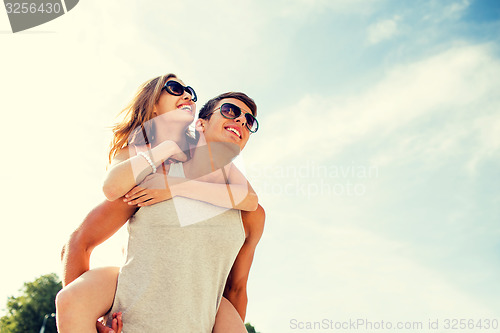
231 111
177 89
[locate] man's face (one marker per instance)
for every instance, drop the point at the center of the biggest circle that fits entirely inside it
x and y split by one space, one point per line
219 128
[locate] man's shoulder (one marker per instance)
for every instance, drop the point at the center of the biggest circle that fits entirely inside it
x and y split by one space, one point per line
254 222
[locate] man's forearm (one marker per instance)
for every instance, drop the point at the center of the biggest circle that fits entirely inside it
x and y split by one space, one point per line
75 259
100 224
239 300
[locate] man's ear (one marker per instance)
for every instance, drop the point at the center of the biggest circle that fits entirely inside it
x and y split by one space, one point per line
200 125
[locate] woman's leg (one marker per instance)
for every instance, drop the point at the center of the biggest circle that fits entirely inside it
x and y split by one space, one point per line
227 319
85 300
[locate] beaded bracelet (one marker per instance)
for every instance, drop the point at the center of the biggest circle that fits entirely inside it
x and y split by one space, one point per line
143 154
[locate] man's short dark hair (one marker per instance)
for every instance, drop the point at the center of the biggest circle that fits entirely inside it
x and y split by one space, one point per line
207 109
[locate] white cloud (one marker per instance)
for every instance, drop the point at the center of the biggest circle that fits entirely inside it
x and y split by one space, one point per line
382 30
439 12
456 9
487 144
301 9
459 84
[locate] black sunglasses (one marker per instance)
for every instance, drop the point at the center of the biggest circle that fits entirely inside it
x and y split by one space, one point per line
177 89
231 111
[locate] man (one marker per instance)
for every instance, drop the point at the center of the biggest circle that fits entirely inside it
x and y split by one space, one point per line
219 122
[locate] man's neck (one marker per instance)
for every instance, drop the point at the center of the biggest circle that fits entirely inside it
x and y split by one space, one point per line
210 156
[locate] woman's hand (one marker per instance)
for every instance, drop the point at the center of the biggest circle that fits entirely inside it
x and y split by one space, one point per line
128 170
116 325
175 153
152 190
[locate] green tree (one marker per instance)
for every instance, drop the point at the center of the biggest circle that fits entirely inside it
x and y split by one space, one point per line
25 313
250 328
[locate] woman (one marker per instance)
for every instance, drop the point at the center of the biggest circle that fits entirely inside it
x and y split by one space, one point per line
154 132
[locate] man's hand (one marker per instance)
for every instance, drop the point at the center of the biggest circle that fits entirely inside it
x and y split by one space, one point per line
116 325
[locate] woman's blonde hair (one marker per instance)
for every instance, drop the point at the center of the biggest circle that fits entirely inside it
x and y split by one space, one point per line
136 127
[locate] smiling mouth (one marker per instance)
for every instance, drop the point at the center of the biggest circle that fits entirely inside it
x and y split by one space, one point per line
234 131
185 107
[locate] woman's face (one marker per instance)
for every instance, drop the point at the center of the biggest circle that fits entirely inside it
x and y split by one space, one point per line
175 108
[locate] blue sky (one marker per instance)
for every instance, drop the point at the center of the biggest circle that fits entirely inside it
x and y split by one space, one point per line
377 159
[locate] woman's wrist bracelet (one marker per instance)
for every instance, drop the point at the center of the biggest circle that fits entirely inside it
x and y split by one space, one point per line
146 156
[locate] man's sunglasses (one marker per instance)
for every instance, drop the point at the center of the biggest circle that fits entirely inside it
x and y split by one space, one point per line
177 89
231 111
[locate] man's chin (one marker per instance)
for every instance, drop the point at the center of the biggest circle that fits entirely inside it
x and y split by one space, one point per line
223 152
